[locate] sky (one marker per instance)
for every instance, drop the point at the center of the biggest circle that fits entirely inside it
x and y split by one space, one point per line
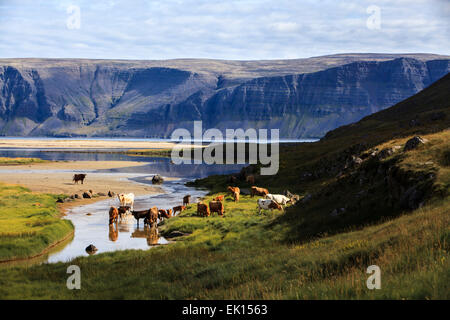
225 29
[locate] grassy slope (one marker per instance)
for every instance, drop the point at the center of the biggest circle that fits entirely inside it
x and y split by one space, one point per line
306 252
29 222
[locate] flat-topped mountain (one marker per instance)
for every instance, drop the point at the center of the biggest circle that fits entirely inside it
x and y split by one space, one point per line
303 97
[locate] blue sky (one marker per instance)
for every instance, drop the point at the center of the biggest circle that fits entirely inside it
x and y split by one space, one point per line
226 29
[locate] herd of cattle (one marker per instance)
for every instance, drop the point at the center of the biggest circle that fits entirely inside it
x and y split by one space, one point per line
151 216
270 201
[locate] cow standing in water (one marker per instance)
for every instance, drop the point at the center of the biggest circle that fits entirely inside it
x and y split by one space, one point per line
126 200
113 215
79 177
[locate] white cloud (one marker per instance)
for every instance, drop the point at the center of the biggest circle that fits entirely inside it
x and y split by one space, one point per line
233 29
285 26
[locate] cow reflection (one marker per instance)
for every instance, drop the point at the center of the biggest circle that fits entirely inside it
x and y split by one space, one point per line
113 232
124 227
150 233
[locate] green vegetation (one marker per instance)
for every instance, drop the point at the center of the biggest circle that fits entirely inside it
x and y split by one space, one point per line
149 152
391 209
29 223
17 161
241 257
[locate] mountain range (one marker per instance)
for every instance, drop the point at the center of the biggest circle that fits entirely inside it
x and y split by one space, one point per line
304 98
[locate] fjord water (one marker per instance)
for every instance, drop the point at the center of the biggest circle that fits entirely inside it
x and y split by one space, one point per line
91 220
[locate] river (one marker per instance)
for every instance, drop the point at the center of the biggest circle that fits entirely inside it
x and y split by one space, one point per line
91 220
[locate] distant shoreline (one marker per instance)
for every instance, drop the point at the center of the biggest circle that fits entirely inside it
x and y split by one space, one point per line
109 143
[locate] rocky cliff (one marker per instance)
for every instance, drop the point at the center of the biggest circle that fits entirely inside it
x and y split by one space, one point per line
150 99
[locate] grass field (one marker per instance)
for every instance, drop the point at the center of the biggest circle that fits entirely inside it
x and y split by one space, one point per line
29 222
17 161
241 257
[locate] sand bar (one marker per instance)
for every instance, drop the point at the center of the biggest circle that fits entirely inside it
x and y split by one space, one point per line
83 144
56 177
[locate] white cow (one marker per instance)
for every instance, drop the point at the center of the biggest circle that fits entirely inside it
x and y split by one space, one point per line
126 200
265 204
278 198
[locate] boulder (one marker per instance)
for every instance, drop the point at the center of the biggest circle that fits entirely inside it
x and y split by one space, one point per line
87 195
111 194
386 152
91 249
157 179
413 143
78 196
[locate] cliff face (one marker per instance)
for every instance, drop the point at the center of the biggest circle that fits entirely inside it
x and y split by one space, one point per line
309 105
119 99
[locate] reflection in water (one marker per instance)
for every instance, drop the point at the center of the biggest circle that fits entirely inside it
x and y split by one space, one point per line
149 233
113 232
151 165
124 227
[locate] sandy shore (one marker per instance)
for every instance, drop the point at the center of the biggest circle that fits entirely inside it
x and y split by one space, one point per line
83 144
56 177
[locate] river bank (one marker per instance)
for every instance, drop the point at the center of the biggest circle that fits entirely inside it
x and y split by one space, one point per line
56 177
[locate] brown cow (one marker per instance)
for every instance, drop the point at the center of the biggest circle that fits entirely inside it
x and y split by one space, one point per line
178 209
236 196
217 206
186 200
163 214
203 210
123 210
259 191
250 179
233 190
152 217
113 215
219 198
79 177
143 214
